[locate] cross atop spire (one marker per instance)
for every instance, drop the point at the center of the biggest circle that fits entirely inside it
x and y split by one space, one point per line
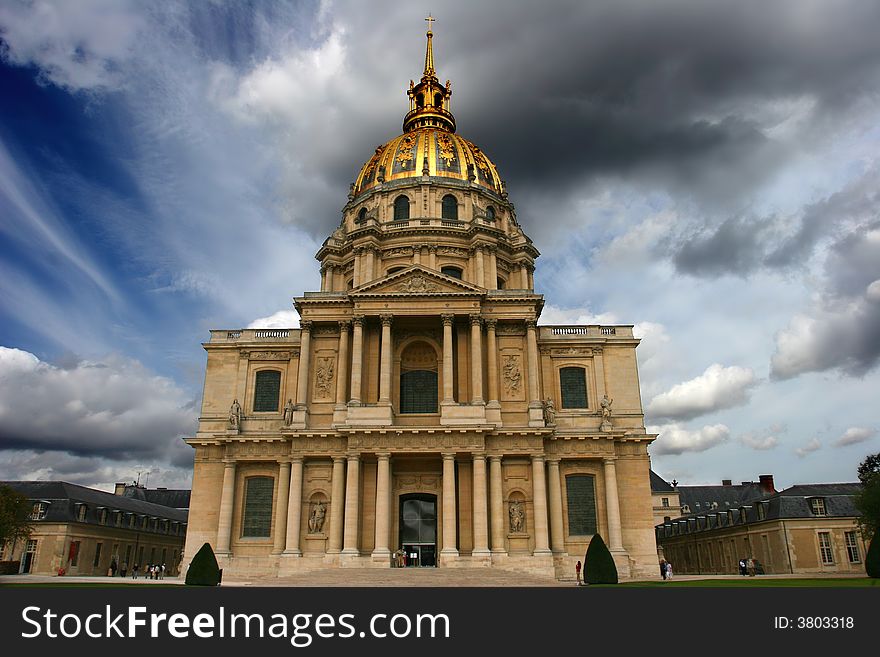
429 53
430 20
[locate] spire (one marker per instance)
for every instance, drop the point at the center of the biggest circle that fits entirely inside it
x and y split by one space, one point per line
429 52
429 100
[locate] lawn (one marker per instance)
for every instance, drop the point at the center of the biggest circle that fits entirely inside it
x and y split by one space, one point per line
759 582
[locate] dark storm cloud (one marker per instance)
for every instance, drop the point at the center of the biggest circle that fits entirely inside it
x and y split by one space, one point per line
734 247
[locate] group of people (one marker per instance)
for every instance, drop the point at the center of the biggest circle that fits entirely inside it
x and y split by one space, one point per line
152 571
665 569
750 567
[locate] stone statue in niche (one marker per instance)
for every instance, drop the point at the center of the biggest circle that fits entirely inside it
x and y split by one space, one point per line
235 415
605 408
288 412
549 411
512 374
517 517
316 518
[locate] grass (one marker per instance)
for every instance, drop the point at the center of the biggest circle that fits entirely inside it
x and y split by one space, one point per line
757 582
78 585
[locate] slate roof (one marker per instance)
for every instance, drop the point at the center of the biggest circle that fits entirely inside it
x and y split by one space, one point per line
176 498
699 499
64 498
659 484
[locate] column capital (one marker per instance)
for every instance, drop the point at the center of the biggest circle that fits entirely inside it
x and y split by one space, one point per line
447 319
357 320
476 319
353 457
296 459
338 457
537 457
490 248
490 324
386 319
383 456
283 461
478 455
609 460
432 248
531 324
552 460
229 462
345 325
448 456
305 325
495 458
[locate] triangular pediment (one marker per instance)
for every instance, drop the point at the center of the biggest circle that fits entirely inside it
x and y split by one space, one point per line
419 281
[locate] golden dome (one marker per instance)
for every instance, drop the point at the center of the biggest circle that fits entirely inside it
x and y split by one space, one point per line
429 145
428 151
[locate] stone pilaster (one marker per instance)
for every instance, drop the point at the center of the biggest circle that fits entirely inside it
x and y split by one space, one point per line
481 525
352 506
383 508
294 508
496 505
449 549
227 502
493 408
357 356
385 367
448 383
542 545
476 360
536 409
557 542
280 541
612 504
337 505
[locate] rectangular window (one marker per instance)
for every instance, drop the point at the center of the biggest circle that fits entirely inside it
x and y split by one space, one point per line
127 553
257 520
267 390
665 501
573 385
39 511
581 495
81 513
98 554
817 506
852 547
825 548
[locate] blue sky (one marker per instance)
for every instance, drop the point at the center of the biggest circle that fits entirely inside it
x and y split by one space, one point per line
708 174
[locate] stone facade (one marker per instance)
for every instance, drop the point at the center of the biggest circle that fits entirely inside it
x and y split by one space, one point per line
420 383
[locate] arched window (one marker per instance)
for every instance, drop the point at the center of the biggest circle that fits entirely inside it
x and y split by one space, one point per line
401 208
267 389
450 207
500 283
257 520
420 100
394 270
490 213
438 100
362 216
418 379
573 385
580 492
455 272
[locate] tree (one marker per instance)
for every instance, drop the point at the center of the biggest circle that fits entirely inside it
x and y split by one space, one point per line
868 498
15 515
872 561
203 569
599 565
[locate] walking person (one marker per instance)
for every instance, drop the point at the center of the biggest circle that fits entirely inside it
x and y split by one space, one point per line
663 568
668 570
134 571
577 572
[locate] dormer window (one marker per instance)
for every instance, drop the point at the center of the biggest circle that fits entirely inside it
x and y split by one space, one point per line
81 510
762 511
39 511
817 506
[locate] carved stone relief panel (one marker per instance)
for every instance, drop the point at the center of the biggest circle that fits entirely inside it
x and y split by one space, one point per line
325 375
512 378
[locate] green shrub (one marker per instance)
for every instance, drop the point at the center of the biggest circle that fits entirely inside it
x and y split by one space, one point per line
599 566
203 569
872 560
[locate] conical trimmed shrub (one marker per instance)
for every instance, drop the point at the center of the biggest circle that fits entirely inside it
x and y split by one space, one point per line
203 569
599 565
872 560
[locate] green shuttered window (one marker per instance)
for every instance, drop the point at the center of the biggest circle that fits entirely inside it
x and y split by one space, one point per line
258 507
267 390
573 384
418 392
581 496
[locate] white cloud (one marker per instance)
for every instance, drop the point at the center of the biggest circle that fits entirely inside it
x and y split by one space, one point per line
281 319
715 389
855 435
116 408
810 447
674 439
759 443
577 316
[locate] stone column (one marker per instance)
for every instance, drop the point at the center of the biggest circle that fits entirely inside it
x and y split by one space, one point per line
331 278
496 504
357 347
481 267
281 508
476 360
352 505
481 525
323 278
385 365
369 264
492 360
358 259
337 505
523 276
542 545
302 379
294 508
448 383
449 534
612 504
383 503
432 257
532 341
227 502
557 542
530 275
417 255
342 364
492 274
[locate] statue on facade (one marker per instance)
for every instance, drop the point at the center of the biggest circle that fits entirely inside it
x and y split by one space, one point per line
605 408
549 411
235 415
517 517
288 413
316 518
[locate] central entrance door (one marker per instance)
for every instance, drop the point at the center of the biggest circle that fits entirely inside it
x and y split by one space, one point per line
418 529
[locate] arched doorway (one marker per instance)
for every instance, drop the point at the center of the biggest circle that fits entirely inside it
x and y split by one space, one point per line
418 529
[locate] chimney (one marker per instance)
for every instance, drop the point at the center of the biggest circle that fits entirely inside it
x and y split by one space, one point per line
727 482
766 482
120 489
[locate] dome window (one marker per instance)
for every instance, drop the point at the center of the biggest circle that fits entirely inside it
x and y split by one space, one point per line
362 216
500 283
401 208
454 272
420 100
438 100
450 207
490 213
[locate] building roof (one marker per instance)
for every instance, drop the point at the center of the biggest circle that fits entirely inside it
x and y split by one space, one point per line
175 498
659 484
64 498
698 499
